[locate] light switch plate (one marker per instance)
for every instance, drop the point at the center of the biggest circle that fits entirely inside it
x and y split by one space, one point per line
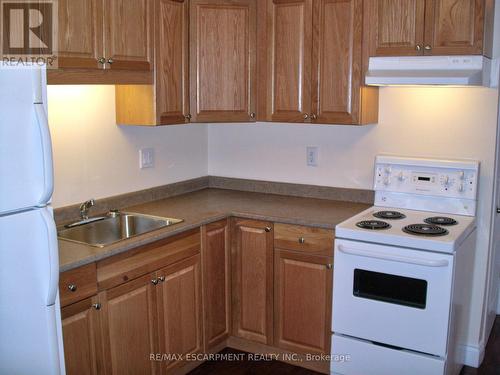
146 158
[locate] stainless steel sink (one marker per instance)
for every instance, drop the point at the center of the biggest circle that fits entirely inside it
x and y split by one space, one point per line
114 227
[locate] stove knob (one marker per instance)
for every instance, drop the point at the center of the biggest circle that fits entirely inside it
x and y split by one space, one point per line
446 180
461 187
401 177
388 170
461 175
386 181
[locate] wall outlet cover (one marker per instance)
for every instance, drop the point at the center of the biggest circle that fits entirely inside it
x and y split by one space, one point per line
312 156
146 158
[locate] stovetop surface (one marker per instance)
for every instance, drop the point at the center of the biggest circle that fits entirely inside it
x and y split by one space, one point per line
396 234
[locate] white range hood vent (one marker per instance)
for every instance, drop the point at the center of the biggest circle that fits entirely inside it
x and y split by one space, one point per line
429 70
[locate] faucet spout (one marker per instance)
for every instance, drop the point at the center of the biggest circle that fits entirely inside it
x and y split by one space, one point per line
85 207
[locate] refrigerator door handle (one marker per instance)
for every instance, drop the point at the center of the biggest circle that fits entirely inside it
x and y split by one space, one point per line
43 125
53 285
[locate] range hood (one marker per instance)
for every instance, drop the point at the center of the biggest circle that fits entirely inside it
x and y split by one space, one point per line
429 70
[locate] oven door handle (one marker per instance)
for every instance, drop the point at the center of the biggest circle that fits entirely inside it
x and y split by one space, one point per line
395 258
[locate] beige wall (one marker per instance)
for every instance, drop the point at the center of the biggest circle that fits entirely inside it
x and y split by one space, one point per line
427 122
95 158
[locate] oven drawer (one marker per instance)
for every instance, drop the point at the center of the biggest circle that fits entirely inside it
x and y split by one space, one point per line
391 295
368 358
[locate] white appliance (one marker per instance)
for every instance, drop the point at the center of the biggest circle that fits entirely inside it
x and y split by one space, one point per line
30 321
402 271
430 70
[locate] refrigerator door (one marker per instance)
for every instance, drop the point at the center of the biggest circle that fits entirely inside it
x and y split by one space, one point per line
30 328
25 145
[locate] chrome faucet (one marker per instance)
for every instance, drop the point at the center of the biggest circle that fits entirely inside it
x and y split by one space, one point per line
85 207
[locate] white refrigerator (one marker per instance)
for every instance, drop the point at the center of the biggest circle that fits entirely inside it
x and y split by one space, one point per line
30 320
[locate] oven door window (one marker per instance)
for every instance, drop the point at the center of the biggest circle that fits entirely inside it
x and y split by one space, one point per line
395 289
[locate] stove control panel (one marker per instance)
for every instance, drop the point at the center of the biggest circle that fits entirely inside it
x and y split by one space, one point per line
443 178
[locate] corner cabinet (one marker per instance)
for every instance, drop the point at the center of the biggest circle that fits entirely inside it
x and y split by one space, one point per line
314 63
252 260
222 50
424 27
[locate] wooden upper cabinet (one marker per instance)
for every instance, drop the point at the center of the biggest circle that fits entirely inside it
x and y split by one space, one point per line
303 299
222 59
217 282
424 27
128 42
289 41
81 335
454 27
337 61
180 310
171 49
252 286
395 27
129 329
80 34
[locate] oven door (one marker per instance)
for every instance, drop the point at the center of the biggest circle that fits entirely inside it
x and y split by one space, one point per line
394 296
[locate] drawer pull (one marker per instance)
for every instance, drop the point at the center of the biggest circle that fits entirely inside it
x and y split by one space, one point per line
161 278
268 229
72 287
302 240
329 266
154 281
96 306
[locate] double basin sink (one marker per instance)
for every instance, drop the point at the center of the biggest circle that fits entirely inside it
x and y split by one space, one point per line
113 227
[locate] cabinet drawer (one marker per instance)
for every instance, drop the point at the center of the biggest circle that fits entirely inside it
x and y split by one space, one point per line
77 284
300 238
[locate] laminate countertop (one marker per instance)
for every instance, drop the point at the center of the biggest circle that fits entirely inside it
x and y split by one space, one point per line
208 205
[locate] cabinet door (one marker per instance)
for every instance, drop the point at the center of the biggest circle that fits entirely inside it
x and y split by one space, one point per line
80 34
180 310
252 283
454 27
337 64
129 327
128 34
216 282
395 27
303 300
81 336
222 50
289 60
172 84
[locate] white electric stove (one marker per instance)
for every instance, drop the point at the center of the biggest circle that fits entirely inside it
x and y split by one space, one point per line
402 271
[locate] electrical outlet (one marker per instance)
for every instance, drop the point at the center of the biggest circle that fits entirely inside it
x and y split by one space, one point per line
146 158
312 156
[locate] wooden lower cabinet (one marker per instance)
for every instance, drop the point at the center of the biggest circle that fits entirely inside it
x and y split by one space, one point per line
216 282
129 327
180 310
81 335
252 280
303 295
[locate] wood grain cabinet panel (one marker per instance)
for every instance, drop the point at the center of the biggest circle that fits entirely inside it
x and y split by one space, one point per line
303 298
80 34
289 60
454 27
129 327
252 262
180 309
81 335
216 282
222 50
128 34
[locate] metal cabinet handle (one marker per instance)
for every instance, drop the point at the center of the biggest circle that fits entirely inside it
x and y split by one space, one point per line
101 60
72 287
313 116
418 47
329 266
268 229
252 115
306 116
498 210
161 278
154 281
188 116
302 240
427 48
110 61
96 306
